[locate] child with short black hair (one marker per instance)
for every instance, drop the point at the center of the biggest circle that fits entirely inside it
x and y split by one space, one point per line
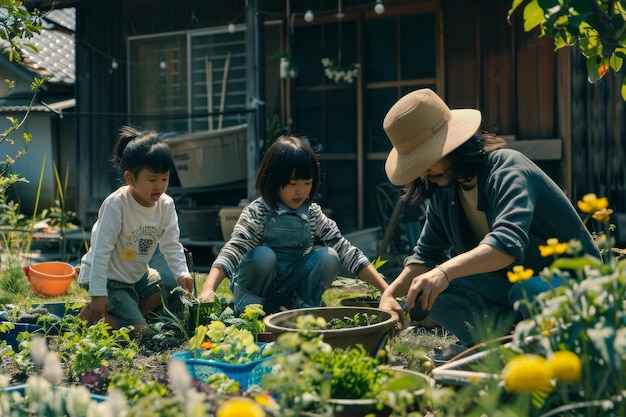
270 255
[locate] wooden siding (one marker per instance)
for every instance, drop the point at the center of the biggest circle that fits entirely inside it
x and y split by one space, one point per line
598 137
512 76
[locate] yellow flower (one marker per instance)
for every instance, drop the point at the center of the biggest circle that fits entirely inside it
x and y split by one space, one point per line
240 407
602 215
591 203
474 379
553 247
519 273
266 400
566 366
526 373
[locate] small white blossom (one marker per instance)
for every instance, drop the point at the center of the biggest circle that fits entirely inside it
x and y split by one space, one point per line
77 401
38 350
52 369
179 376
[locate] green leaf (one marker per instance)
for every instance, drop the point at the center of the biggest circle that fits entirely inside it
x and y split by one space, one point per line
596 68
575 263
533 15
377 263
514 6
615 63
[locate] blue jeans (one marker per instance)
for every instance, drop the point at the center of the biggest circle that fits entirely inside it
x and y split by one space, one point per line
482 307
263 278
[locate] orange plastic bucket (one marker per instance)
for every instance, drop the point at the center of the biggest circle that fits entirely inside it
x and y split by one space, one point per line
51 278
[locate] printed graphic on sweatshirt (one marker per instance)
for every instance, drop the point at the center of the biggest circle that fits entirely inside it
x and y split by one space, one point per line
138 244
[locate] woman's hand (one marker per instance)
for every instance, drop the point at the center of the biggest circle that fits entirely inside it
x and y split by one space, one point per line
389 304
425 288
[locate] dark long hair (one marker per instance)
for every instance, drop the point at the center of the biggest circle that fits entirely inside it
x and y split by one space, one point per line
465 162
136 150
289 157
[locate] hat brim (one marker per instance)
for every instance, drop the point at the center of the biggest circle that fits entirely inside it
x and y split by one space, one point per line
405 168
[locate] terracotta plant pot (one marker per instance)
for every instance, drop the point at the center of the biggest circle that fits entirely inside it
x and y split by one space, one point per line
51 278
373 337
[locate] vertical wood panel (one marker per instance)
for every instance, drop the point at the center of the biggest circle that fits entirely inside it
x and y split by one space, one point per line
536 88
460 51
496 68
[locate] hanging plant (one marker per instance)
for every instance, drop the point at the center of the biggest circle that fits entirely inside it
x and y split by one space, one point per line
340 73
288 65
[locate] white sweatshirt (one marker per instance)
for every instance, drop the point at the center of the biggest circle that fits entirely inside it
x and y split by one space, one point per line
124 238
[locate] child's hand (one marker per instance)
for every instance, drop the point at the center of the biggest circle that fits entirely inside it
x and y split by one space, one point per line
76 270
207 296
96 310
186 282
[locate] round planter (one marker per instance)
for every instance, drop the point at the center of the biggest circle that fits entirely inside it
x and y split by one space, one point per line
373 337
51 278
414 381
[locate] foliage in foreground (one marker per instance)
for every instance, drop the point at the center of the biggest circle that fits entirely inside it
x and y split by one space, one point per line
568 359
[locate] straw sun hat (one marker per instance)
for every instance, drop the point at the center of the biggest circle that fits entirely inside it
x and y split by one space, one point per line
422 130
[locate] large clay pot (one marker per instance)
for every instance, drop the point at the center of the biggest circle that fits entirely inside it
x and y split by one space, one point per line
373 337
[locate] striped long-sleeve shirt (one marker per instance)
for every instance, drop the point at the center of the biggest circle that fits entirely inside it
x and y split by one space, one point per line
248 233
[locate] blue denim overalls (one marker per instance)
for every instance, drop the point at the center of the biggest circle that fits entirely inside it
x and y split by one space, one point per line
277 273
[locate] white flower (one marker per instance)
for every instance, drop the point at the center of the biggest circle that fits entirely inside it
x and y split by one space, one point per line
5 380
78 398
38 390
179 375
52 369
38 350
339 73
115 405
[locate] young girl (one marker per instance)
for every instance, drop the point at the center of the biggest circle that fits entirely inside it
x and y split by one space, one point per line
131 222
270 255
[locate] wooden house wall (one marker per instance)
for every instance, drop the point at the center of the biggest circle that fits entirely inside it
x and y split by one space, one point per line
598 136
102 31
515 78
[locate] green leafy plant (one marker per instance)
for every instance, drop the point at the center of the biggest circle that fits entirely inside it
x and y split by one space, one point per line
85 348
134 384
371 293
597 27
58 216
319 374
